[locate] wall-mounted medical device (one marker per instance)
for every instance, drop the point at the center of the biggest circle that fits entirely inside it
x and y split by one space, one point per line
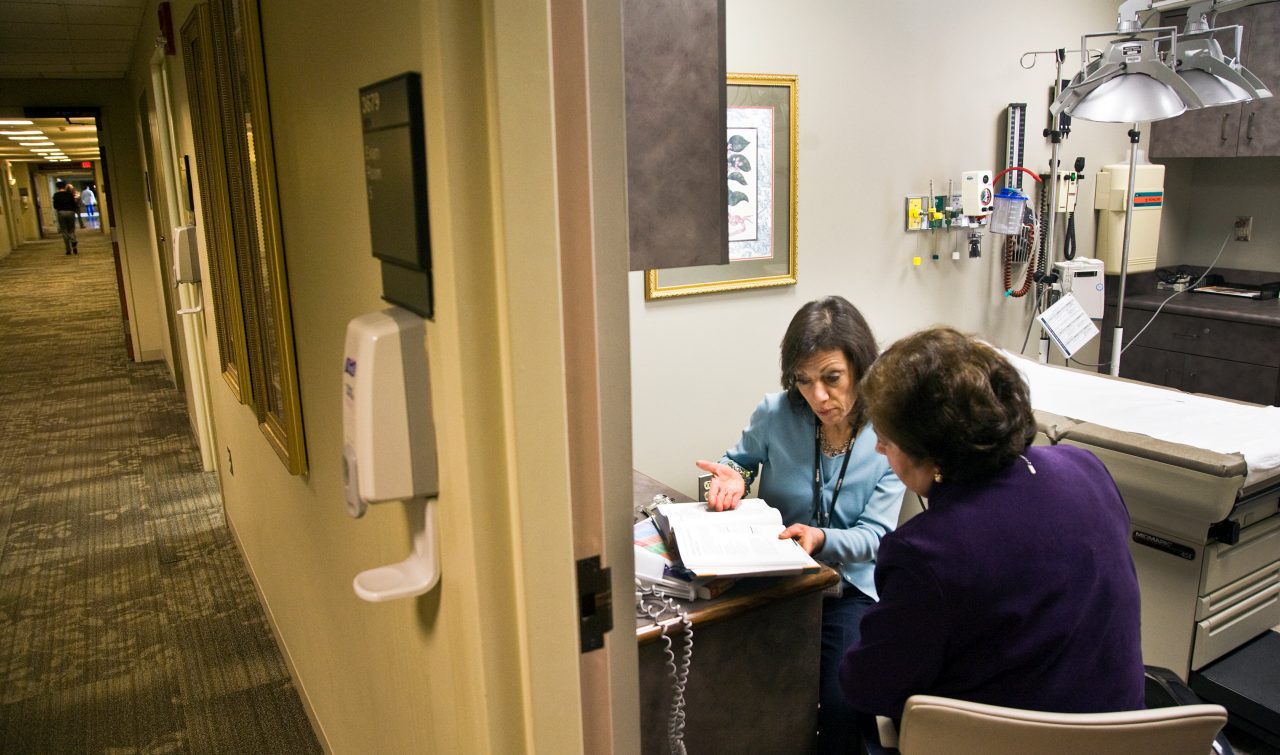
389 448
1082 277
1111 197
186 255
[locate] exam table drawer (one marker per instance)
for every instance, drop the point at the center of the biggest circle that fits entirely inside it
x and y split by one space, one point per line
1247 617
1259 545
1227 597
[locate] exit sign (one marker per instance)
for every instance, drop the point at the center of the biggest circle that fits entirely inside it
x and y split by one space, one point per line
86 165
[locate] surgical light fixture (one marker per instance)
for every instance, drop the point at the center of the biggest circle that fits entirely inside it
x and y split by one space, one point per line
1216 78
1133 80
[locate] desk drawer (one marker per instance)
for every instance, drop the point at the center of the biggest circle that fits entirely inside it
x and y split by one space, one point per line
1259 546
1236 341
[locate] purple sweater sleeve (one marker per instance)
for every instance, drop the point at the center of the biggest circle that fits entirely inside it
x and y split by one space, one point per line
889 663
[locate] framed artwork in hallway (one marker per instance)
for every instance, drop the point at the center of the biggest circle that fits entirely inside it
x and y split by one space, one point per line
226 81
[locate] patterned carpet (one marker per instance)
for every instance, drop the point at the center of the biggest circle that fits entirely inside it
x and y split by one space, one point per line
128 622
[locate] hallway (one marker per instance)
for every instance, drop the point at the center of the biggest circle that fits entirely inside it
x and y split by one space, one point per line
128 622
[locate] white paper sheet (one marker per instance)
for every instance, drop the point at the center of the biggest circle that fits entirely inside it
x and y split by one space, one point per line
1068 324
1199 421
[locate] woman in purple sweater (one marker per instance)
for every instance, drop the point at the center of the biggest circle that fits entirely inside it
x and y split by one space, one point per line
1015 586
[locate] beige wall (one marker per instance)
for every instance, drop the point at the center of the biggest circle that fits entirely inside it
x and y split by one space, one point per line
487 662
1204 196
891 95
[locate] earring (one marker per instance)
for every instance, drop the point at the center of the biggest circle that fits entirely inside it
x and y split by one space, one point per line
937 476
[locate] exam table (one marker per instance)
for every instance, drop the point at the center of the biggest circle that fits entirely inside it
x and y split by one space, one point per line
1201 478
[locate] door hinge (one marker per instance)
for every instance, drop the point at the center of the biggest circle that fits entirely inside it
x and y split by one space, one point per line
595 603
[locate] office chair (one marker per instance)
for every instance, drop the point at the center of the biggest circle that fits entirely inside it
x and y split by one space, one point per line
1171 725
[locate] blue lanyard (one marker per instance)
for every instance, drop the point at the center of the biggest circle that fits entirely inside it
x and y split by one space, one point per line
822 514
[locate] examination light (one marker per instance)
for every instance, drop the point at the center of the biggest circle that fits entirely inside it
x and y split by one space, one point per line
1216 78
1132 80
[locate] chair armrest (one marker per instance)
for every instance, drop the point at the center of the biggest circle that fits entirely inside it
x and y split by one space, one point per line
879 735
1164 690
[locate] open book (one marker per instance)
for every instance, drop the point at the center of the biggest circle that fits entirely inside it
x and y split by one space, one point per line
741 542
656 569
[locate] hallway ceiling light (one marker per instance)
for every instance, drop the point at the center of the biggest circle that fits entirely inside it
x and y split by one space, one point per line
78 140
13 122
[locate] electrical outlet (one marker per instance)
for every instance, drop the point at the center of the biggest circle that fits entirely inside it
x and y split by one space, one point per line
1244 227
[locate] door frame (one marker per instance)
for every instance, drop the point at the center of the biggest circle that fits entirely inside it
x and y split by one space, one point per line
185 316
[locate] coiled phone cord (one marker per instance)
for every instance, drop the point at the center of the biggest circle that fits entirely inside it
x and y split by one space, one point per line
653 605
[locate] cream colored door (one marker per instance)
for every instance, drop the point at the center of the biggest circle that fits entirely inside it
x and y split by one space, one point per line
590 171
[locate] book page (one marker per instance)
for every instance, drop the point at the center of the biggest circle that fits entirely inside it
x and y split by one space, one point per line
738 544
749 510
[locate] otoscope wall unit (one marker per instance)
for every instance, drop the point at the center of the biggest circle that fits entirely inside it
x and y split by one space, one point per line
389 444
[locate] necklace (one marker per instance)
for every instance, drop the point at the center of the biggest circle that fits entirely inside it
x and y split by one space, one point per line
831 450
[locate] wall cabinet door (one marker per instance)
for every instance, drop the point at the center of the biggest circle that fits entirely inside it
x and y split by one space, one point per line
1246 130
1260 119
1209 132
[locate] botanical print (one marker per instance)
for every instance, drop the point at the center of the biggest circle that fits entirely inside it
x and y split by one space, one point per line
749 171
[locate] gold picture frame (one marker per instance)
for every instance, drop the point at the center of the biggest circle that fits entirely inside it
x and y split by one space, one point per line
761 165
236 164
204 101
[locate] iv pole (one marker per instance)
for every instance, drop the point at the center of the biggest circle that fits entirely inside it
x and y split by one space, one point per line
1117 334
1055 134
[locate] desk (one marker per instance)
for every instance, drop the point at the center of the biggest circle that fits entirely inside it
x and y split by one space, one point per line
753 682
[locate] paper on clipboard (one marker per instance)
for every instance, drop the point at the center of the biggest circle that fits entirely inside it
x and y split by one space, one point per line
1068 324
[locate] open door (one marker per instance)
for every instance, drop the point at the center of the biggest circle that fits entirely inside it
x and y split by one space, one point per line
170 208
590 175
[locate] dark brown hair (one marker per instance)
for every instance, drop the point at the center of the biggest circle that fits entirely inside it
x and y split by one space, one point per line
941 395
829 324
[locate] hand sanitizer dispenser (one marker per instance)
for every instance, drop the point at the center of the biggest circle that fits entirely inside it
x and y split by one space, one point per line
389 442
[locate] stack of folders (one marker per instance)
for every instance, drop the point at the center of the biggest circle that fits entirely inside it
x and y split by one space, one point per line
742 542
657 570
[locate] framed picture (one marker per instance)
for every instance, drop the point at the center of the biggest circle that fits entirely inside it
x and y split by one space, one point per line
760 170
226 79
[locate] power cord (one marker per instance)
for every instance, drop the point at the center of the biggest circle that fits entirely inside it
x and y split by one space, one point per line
653 605
1155 314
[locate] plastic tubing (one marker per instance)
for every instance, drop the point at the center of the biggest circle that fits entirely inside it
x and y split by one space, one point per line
1028 171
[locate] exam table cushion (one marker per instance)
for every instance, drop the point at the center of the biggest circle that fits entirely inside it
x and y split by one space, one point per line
1173 418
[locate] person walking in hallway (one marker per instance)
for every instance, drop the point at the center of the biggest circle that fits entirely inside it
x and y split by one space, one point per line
88 199
65 205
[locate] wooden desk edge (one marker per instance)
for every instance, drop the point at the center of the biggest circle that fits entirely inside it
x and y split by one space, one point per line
743 596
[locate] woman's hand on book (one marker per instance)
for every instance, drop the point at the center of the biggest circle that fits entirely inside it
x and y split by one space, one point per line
726 488
810 538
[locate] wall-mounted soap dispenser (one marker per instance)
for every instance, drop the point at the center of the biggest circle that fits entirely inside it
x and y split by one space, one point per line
389 449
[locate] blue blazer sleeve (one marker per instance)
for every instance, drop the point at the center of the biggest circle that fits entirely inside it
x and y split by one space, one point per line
879 516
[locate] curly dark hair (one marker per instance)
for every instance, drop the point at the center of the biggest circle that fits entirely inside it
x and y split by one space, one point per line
942 395
828 324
